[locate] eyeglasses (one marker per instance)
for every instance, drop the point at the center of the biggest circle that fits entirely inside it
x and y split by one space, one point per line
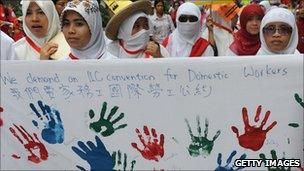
185 18
283 30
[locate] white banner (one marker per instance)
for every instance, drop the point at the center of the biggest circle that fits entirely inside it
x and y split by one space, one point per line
162 114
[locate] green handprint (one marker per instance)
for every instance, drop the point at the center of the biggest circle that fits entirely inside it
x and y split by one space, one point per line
299 100
102 122
274 156
200 145
118 165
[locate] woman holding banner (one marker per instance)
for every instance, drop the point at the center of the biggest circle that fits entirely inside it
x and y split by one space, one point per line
224 20
129 30
278 33
40 24
247 40
186 40
82 28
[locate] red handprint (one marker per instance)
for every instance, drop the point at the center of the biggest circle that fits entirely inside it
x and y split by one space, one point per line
1 122
254 136
30 144
153 150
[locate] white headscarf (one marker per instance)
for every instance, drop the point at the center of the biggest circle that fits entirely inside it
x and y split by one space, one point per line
89 10
279 15
131 42
186 33
49 10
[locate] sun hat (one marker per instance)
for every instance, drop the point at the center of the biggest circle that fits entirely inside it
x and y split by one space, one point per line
119 16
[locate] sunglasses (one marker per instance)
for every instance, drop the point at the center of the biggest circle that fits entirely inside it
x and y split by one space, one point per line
283 30
185 18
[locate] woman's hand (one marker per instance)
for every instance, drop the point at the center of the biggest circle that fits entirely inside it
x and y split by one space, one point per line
153 49
47 50
209 23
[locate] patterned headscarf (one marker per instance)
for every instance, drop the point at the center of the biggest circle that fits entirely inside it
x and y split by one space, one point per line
89 10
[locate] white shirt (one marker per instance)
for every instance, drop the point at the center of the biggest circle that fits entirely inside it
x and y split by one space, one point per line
161 27
24 51
6 47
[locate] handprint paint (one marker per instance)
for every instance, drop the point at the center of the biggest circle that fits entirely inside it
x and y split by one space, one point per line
153 148
118 164
97 155
102 122
274 156
299 100
229 166
31 143
200 144
1 122
53 131
253 137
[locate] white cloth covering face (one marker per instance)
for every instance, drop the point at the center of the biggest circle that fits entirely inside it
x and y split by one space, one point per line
89 10
186 33
279 15
131 42
53 20
139 39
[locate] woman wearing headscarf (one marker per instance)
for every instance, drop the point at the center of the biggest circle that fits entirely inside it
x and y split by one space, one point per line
247 40
278 33
129 30
161 23
60 5
82 28
186 40
224 19
40 24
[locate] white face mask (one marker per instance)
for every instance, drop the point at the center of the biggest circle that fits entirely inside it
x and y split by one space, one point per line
188 29
138 41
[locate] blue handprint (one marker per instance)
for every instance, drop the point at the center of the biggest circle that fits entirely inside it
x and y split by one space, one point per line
97 156
53 131
228 166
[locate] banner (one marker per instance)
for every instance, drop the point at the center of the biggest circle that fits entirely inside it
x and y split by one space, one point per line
159 114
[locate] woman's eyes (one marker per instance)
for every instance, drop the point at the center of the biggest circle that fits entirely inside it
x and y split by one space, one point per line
65 23
38 12
79 23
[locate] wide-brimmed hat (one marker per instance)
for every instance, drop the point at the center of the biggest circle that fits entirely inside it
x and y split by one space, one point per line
115 22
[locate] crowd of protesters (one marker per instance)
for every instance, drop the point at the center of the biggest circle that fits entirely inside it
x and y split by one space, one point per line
144 29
